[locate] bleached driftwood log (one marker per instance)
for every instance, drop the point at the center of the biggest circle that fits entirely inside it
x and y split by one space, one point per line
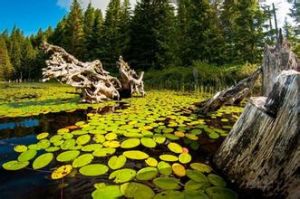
262 151
232 95
95 83
130 81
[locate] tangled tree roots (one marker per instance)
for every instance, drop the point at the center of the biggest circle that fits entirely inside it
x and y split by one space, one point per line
95 83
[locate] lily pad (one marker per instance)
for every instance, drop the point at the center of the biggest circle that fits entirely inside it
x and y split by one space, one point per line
83 139
135 155
20 148
42 161
91 147
68 144
104 152
93 170
52 149
185 158
201 167
137 191
174 147
195 194
15 165
117 162
98 138
148 142
130 143
122 175
107 192
111 144
61 172
216 180
178 170
147 173
164 168
220 193
67 156
170 194
83 160
42 136
27 155
167 183
196 176
168 158
159 139
152 162
111 136
193 185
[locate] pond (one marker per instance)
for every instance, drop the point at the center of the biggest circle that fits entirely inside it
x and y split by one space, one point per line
152 147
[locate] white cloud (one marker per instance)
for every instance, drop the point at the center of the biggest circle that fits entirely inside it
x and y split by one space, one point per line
101 4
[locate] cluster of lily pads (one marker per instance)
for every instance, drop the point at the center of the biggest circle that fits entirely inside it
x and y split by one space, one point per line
143 151
30 99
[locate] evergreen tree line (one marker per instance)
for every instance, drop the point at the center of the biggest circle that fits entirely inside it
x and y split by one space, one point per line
156 34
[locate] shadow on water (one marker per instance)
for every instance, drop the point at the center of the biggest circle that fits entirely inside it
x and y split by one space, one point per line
23 130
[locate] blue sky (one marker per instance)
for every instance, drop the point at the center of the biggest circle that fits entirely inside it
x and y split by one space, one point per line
30 15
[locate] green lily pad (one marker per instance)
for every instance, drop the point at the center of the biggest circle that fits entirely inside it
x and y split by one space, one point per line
27 155
82 160
52 149
55 138
130 143
93 170
63 131
185 158
122 175
147 173
79 132
167 183
193 185
152 162
137 191
191 136
107 192
164 168
99 138
43 144
111 144
15 165
42 136
213 135
117 162
159 139
168 158
220 193
67 156
133 135
135 155
216 180
148 142
111 136
91 147
170 194
171 137
20 148
201 167
42 161
68 144
196 175
195 194
83 139
104 152
174 147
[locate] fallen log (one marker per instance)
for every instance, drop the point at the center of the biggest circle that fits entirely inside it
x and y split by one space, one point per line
233 95
262 151
95 83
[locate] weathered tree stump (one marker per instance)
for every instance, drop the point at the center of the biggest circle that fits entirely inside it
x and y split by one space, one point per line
262 151
95 83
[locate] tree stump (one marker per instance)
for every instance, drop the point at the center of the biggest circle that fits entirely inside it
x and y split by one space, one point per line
262 151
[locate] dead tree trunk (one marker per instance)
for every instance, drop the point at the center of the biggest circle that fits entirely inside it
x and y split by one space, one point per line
95 83
232 95
262 151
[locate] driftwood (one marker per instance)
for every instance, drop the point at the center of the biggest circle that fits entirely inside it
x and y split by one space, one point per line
262 151
95 83
233 95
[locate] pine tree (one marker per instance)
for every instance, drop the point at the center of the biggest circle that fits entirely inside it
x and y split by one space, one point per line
89 20
59 34
28 58
74 33
112 32
97 44
124 25
248 37
15 51
6 68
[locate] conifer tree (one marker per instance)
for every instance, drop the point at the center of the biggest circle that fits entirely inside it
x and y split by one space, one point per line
97 44
74 33
89 20
124 25
6 68
15 51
